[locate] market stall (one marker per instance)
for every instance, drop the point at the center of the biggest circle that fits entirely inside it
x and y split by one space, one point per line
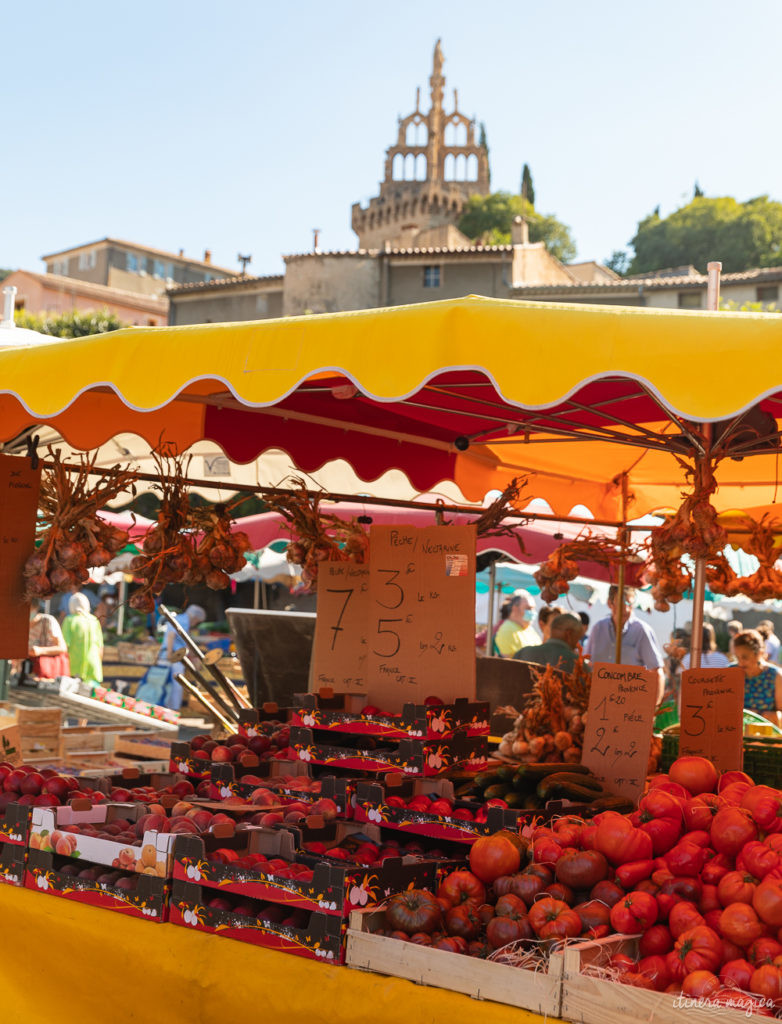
577 429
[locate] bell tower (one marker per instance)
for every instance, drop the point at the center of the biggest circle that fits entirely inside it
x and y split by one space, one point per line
429 173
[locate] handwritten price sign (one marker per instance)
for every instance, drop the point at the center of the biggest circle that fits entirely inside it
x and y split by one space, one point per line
712 716
19 486
618 732
421 636
339 653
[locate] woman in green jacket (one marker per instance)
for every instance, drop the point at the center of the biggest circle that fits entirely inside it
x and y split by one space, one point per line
84 638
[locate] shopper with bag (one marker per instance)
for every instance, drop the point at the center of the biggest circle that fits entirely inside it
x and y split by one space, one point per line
47 653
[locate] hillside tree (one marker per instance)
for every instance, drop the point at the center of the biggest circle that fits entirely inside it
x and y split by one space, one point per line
488 219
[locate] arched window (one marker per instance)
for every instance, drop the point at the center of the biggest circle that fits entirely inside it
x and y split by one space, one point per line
409 174
460 167
415 134
472 167
398 168
449 167
420 167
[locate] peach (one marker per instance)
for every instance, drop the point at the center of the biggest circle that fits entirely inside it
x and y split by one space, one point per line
263 798
148 855
325 807
201 820
180 809
156 809
184 827
222 754
183 788
270 818
63 846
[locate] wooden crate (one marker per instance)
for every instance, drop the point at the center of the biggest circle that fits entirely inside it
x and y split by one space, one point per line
482 979
137 654
38 721
40 749
588 999
142 745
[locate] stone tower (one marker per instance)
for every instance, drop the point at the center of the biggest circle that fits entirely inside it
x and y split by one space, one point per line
433 167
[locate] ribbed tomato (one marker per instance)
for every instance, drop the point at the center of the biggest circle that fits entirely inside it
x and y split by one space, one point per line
737 973
655 968
699 949
460 886
620 842
767 982
502 930
696 774
415 910
581 869
700 985
731 829
736 887
510 906
740 924
765 805
685 859
553 919
634 913
764 950
607 892
734 793
699 811
683 917
492 856
464 920
593 914
656 941
758 859
767 901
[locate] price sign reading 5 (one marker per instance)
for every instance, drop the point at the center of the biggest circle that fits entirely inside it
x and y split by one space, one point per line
393 642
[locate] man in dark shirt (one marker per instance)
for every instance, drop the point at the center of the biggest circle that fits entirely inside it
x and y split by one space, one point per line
560 650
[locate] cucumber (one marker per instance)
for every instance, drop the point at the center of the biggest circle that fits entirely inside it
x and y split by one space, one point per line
514 800
505 773
529 775
569 787
498 790
610 802
532 802
484 779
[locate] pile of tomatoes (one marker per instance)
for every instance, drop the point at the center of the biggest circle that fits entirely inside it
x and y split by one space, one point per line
696 872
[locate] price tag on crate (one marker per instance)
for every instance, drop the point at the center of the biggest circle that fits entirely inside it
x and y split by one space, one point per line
421 636
19 487
339 652
712 716
618 732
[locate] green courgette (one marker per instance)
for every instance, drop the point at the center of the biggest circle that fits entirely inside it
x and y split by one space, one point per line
610 802
498 790
559 788
529 775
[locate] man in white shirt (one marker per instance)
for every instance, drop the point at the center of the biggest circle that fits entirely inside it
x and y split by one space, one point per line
639 644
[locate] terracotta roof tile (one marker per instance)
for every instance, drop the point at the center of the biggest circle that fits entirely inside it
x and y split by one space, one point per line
219 283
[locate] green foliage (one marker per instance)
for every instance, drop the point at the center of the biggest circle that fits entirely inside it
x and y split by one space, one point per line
482 140
697 192
741 235
527 188
70 325
488 219
4 274
618 261
748 307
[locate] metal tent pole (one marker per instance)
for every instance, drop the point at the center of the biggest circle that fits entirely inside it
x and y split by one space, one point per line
490 616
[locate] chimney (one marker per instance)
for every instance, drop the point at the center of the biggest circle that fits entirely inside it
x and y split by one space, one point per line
207 255
315 239
181 254
519 231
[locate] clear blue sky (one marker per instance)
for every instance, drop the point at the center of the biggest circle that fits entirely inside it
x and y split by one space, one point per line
240 126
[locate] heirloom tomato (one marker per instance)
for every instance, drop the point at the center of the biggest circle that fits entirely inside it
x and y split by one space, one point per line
731 829
656 941
699 949
696 774
620 842
736 973
683 917
700 985
461 886
767 901
415 910
656 969
634 913
740 924
553 919
736 887
581 869
492 856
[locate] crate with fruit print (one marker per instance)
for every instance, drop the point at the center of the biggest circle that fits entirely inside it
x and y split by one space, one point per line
412 807
302 932
105 834
373 754
591 996
416 721
263 864
370 948
13 859
124 891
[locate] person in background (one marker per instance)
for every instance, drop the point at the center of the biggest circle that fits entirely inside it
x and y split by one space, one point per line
84 637
734 627
585 623
675 650
106 609
545 615
710 656
762 680
46 651
516 631
561 649
639 644
189 619
482 645
766 630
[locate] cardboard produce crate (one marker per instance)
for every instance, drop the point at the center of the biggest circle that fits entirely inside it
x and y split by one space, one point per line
482 979
589 999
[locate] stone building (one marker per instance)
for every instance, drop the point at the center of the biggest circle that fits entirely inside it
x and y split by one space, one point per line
52 294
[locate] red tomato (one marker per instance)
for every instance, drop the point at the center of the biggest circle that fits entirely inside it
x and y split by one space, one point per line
699 811
716 868
634 913
622 962
700 837
510 906
492 856
526 885
683 917
712 918
656 969
737 973
664 782
774 841
545 850
700 985
734 776
766 981
699 949
463 920
659 803
730 951
764 950
607 892
461 886
593 914
685 859
731 829
415 910
635 871
581 869
502 930
734 793
620 842
664 832
740 924
709 899
758 859
553 919
696 774
765 805
673 890
655 941
767 901
568 831
736 887
588 834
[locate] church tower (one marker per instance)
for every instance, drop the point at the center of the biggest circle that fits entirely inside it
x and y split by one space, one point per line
432 169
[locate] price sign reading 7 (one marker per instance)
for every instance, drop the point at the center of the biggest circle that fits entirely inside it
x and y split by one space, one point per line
338 628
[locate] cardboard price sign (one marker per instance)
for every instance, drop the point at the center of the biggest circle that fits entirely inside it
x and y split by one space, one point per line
618 733
712 716
339 651
421 636
19 487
